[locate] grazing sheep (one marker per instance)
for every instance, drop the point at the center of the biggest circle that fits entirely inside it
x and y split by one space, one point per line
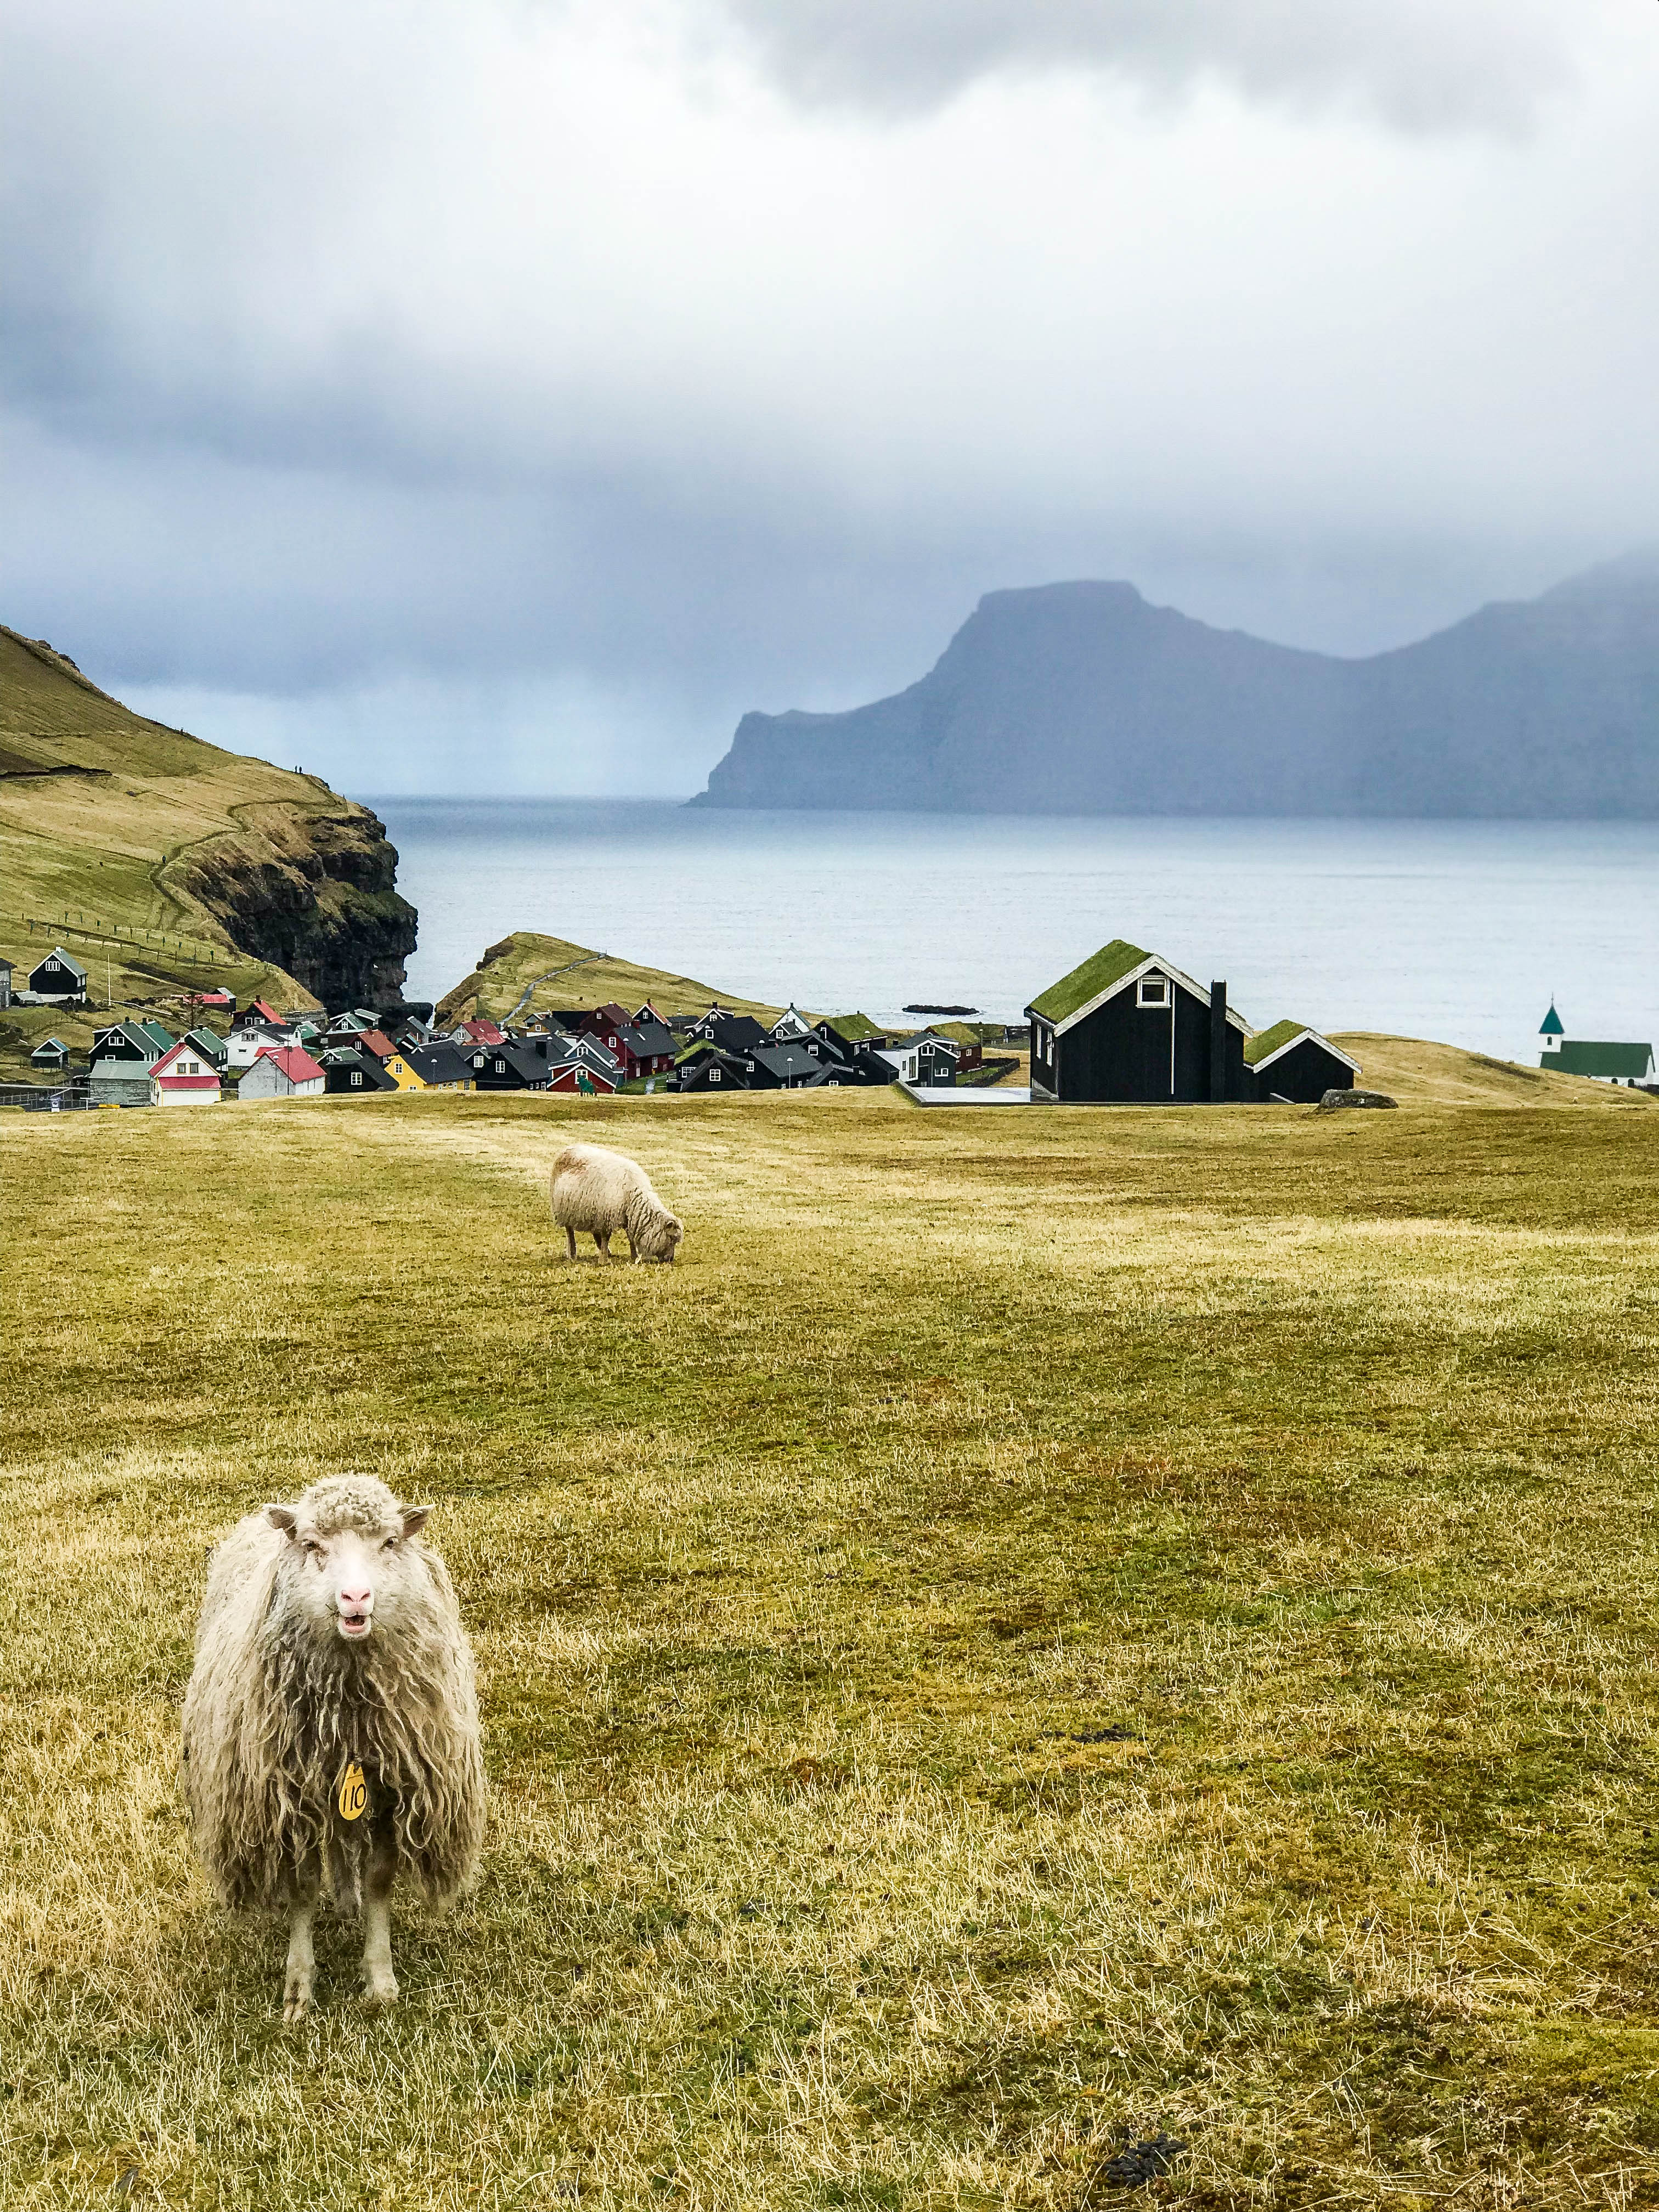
595 1189
332 1720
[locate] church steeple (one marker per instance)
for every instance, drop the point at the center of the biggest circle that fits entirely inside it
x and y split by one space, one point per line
1550 1028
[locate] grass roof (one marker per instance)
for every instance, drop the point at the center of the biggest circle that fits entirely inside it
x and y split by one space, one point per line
1097 973
855 1027
1266 1040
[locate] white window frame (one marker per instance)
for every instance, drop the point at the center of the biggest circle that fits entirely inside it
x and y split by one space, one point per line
1154 990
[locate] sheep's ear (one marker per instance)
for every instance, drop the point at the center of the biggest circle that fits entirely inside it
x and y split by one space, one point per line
283 1517
414 1518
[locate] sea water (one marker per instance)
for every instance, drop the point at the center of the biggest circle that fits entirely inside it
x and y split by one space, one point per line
1461 931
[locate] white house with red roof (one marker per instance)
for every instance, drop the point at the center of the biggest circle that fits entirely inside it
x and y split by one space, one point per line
284 1072
184 1076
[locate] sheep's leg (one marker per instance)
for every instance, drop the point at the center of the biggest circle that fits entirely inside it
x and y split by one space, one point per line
301 1959
602 1244
379 1982
570 1241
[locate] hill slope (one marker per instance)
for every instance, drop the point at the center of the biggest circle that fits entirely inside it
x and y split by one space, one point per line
1081 696
527 971
139 845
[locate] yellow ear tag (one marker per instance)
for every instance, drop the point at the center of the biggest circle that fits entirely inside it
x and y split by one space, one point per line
353 1793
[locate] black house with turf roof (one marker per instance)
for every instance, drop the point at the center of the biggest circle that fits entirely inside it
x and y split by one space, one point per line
1128 1028
1294 1066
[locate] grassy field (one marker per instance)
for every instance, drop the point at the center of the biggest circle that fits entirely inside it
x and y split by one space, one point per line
1048 1629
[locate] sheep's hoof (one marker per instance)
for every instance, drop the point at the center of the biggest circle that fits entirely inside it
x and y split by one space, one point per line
380 1987
297 2001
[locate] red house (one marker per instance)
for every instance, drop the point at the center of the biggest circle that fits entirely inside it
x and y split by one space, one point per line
641 1047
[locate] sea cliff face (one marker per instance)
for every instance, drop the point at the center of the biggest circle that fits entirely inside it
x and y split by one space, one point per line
316 894
1083 698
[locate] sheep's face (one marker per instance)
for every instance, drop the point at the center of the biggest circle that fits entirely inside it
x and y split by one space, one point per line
349 1562
662 1240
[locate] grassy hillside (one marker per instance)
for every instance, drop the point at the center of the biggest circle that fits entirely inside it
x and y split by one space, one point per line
1046 1629
557 973
1414 1071
162 862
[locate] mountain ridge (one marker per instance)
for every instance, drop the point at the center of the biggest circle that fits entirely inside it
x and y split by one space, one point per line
1085 697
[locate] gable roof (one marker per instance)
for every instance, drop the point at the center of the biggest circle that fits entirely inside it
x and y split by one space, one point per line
293 1061
856 1028
1089 980
1550 1024
65 960
1267 1045
364 1064
1579 1056
438 1063
1105 973
165 1067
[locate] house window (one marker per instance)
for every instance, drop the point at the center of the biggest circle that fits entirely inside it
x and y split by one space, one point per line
357 1080
500 1068
1154 990
714 1075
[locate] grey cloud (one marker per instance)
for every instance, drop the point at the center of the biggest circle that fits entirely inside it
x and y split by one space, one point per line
1422 65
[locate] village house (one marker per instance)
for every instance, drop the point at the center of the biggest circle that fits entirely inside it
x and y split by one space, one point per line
1606 1063
59 980
258 1028
639 1048
583 1065
284 1072
927 1060
439 1065
1125 1028
512 1065
5 985
208 1042
477 1030
347 1069
123 1056
53 1053
1291 1065
184 1076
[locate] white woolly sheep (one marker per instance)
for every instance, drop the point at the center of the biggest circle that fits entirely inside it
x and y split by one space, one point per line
600 1192
331 1726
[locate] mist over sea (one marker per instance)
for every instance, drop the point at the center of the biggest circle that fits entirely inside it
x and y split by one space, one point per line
1455 931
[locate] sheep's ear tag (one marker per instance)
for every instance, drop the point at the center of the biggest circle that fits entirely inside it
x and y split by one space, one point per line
353 1793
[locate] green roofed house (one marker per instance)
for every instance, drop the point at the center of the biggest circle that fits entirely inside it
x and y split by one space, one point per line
1605 1062
1291 1065
1126 1028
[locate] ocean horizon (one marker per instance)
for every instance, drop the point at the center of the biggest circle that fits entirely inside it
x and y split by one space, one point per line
1462 932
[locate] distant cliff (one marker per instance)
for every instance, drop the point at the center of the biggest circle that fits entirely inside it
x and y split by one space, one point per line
133 827
1083 698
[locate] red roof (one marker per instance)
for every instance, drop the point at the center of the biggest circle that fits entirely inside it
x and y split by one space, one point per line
294 1061
164 1067
266 1010
377 1042
482 1030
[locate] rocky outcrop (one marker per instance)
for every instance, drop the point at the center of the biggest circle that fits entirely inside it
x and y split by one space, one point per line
315 894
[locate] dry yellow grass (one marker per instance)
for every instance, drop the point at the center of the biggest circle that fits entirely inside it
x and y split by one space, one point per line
1045 1628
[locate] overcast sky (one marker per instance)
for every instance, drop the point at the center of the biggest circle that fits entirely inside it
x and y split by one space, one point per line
505 394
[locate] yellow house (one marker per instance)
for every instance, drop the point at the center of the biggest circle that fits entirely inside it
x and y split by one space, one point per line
402 1074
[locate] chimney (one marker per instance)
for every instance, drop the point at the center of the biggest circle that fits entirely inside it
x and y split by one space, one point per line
1217 1043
